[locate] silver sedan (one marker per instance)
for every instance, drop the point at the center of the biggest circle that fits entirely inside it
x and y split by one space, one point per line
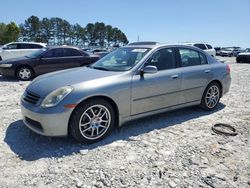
134 81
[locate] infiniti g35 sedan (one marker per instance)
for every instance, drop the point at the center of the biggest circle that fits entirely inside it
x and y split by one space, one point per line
134 81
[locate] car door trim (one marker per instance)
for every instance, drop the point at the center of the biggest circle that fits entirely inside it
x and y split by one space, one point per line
169 93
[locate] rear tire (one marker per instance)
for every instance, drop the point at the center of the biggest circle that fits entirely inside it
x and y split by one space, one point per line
92 121
211 96
24 73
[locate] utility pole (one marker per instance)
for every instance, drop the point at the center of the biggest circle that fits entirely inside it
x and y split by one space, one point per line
138 38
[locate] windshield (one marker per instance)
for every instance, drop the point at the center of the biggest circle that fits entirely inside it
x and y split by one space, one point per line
37 53
122 59
247 50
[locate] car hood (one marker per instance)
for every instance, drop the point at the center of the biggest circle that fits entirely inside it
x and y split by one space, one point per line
226 51
47 83
244 53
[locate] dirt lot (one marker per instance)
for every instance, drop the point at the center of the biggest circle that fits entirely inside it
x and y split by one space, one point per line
176 149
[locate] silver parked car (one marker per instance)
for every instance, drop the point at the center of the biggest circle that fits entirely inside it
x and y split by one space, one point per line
131 82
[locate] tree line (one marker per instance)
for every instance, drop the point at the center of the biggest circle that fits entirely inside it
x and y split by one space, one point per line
58 31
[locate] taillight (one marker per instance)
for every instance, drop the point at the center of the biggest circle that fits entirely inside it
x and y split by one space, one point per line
228 69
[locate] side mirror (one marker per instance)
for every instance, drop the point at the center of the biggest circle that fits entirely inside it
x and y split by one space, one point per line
149 69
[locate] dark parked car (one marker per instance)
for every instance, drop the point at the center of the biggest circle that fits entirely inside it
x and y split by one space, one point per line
244 57
46 60
236 51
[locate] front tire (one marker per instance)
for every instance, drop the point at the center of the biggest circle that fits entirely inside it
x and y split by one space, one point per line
24 73
211 96
92 121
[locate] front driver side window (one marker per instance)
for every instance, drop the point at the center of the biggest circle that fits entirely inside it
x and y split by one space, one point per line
163 59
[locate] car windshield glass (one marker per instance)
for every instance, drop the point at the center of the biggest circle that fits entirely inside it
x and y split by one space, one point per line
248 50
37 53
122 59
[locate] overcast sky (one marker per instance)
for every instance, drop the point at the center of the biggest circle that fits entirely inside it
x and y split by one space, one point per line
219 22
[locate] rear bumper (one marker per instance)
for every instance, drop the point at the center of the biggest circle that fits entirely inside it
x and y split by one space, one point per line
226 84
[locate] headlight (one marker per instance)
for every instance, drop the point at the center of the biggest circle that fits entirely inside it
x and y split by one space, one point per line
56 96
5 65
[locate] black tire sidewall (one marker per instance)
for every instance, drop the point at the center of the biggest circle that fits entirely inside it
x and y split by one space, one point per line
76 116
24 67
203 100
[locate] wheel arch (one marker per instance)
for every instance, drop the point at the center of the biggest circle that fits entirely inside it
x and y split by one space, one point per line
108 99
24 65
219 83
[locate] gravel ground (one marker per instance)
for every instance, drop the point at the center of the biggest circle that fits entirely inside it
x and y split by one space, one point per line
175 149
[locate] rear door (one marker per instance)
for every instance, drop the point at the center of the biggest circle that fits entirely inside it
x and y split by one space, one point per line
51 60
26 48
196 73
73 58
158 90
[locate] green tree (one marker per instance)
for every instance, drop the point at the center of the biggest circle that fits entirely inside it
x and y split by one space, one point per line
78 34
32 29
9 32
58 31
46 30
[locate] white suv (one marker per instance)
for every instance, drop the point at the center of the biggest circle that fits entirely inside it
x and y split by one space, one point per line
206 47
19 49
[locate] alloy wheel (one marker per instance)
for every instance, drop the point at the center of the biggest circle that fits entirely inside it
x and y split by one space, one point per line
94 122
25 73
212 96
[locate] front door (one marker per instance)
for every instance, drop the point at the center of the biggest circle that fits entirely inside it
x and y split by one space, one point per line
159 90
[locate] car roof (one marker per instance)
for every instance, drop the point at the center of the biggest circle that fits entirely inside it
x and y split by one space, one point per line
159 45
64 46
39 43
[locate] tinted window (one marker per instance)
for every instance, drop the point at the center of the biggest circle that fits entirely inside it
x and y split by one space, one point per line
190 57
71 52
209 46
54 53
29 46
201 46
162 59
203 58
11 46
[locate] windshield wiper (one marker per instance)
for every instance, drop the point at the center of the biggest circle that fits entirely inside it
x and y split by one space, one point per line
99 68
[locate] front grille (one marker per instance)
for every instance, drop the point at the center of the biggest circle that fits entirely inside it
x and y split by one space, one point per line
31 97
34 124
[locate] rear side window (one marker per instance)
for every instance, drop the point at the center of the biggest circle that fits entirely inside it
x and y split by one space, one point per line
190 57
201 46
71 52
209 46
29 46
163 59
54 53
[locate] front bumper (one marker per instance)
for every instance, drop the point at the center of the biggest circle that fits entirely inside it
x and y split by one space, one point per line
9 72
44 121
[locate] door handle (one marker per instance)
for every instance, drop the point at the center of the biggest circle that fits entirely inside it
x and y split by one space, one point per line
175 76
207 71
